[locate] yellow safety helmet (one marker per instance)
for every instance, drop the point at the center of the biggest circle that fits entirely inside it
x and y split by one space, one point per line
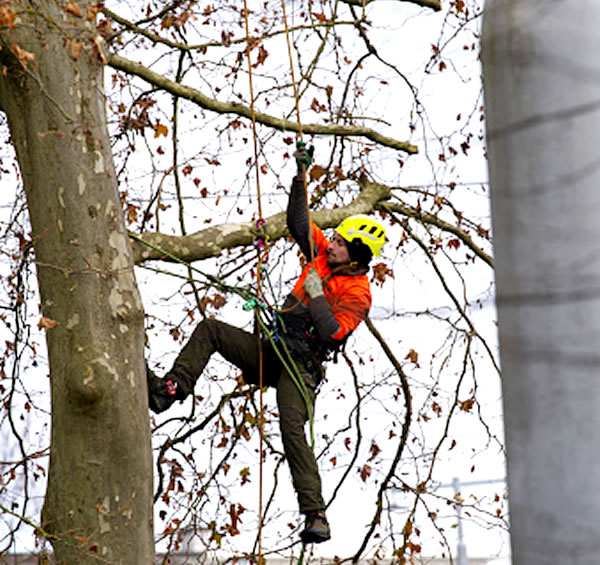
365 228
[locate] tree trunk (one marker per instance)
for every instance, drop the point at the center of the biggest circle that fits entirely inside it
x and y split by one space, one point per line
541 68
98 504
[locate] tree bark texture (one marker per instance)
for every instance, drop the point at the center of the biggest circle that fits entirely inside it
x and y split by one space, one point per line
541 71
98 505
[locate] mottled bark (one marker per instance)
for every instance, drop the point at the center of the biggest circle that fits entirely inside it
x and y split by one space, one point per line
98 505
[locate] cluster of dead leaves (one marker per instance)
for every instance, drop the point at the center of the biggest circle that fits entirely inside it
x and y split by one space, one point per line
7 17
91 12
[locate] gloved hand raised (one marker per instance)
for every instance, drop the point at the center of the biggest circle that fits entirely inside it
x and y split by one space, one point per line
313 285
303 156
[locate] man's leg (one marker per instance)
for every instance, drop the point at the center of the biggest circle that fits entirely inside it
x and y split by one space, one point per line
237 346
293 415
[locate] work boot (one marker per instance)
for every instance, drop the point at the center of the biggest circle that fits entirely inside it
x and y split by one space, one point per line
316 528
161 392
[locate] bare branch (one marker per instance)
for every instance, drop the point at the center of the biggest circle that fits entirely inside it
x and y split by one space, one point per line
281 124
401 444
426 218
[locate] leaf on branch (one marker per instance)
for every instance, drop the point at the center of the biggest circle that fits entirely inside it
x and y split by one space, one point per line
47 323
167 22
321 17
375 450
316 172
245 433
25 57
467 405
454 243
98 50
226 38
339 173
347 443
131 214
380 273
73 9
365 472
74 46
262 57
7 17
317 106
245 474
413 357
92 10
160 129
234 515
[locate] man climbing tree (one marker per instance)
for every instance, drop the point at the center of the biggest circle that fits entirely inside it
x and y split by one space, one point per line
329 300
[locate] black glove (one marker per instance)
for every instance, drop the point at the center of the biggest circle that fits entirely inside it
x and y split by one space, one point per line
303 156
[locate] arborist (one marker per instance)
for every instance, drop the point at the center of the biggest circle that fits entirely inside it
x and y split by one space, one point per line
329 300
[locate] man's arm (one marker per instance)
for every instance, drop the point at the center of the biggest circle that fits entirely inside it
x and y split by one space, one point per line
325 322
352 307
297 216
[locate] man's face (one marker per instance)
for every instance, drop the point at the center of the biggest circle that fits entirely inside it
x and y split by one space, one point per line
337 252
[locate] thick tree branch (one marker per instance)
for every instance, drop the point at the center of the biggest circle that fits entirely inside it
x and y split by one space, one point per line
433 4
211 241
156 79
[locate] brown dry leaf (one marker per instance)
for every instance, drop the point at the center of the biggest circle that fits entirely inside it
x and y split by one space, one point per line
99 51
316 172
7 17
73 9
25 57
74 46
412 356
365 472
160 129
92 11
47 323
466 405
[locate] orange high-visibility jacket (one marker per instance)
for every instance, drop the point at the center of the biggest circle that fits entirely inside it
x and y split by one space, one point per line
348 294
